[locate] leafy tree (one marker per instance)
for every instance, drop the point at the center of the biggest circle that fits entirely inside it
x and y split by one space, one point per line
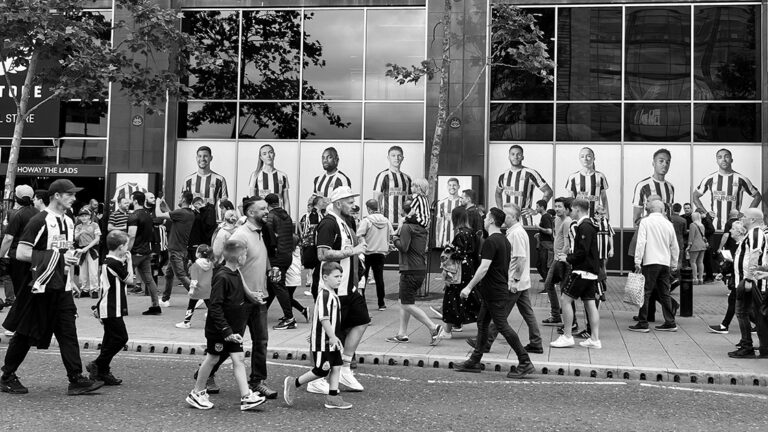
66 50
518 55
271 60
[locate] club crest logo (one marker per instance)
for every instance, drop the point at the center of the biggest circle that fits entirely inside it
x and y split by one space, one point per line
11 70
219 347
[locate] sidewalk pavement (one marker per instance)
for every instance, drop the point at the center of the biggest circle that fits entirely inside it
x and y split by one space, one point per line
691 354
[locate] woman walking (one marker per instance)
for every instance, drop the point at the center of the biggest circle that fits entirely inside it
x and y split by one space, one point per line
697 247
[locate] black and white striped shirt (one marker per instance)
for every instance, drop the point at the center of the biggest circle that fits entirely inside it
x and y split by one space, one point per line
48 231
604 234
113 302
749 254
324 184
394 187
588 186
326 308
444 224
211 187
263 183
126 190
726 193
650 186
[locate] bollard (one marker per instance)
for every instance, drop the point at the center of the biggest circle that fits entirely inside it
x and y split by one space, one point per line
686 292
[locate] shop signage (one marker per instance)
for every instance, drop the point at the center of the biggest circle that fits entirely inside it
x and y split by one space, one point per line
41 123
137 120
454 123
54 170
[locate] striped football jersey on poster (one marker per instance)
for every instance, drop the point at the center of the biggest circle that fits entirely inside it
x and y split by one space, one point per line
517 187
394 187
587 186
325 184
211 187
650 186
444 225
726 192
263 183
126 190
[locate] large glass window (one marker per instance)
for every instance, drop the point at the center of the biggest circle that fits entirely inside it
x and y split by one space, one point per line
658 53
521 121
207 120
217 34
726 52
78 119
589 54
333 120
89 152
588 122
726 122
400 121
269 120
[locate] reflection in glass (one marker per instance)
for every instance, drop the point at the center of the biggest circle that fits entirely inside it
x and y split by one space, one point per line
269 120
588 122
658 53
90 152
36 155
657 122
726 122
727 52
217 34
394 121
589 54
509 84
207 120
271 54
333 54
514 122
393 36
83 119
337 120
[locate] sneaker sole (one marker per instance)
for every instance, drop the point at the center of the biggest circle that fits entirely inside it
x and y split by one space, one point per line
562 346
468 370
640 330
554 324
592 346
286 385
194 404
352 389
718 331
667 329
521 374
284 328
345 407
80 391
251 405
9 390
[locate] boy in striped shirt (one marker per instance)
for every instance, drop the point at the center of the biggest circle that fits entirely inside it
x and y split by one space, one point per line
112 306
324 344
419 211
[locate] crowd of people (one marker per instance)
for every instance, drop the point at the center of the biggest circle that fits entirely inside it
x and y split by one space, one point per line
236 260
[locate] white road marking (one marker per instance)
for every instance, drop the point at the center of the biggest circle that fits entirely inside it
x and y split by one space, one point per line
523 382
717 392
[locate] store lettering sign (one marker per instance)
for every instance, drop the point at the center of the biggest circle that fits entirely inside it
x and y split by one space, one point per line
42 123
61 170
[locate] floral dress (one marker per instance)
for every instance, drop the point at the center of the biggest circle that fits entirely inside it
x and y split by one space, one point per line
458 311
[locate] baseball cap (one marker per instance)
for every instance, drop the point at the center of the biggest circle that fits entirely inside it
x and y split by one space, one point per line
63 186
341 193
84 211
24 191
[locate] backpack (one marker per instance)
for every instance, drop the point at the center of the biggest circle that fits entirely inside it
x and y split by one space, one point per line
309 248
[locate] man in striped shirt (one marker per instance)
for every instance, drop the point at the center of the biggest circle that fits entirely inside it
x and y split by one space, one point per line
266 179
444 225
204 183
118 219
517 184
324 184
588 183
726 188
392 186
751 291
654 185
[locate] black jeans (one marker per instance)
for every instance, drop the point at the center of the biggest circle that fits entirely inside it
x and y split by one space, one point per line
278 290
177 266
657 279
731 311
523 301
115 338
496 311
143 269
295 303
749 305
375 262
545 256
558 272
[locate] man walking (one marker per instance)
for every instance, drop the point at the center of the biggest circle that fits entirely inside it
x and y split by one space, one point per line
336 242
280 224
751 291
582 283
545 247
656 256
559 270
376 230
411 241
140 236
182 220
45 307
494 273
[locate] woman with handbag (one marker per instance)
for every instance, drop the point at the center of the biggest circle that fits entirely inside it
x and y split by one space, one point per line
463 249
697 247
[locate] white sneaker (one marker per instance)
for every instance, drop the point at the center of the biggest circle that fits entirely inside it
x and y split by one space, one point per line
164 303
252 400
318 386
444 334
308 293
563 342
347 379
184 325
589 343
8 333
199 400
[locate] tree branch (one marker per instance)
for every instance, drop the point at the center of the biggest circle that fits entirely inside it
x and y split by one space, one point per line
31 110
469 92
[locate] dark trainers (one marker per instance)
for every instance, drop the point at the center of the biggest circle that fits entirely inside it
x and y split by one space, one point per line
12 385
93 371
523 369
153 310
574 329
719 329
305 314
473 343
210 385
534 349
81 385
551 321
262 389
288 324
468 366
666 327
109 379
742 353
639 328
584 334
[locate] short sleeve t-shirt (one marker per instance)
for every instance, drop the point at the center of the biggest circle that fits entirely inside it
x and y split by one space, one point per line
326 307
119 219
16 225
329 235
497 249
47 231
518 240
547 222
144 231
182 219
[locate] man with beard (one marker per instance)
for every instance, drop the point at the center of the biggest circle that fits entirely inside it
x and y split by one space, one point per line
517 184
324 184
204 183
